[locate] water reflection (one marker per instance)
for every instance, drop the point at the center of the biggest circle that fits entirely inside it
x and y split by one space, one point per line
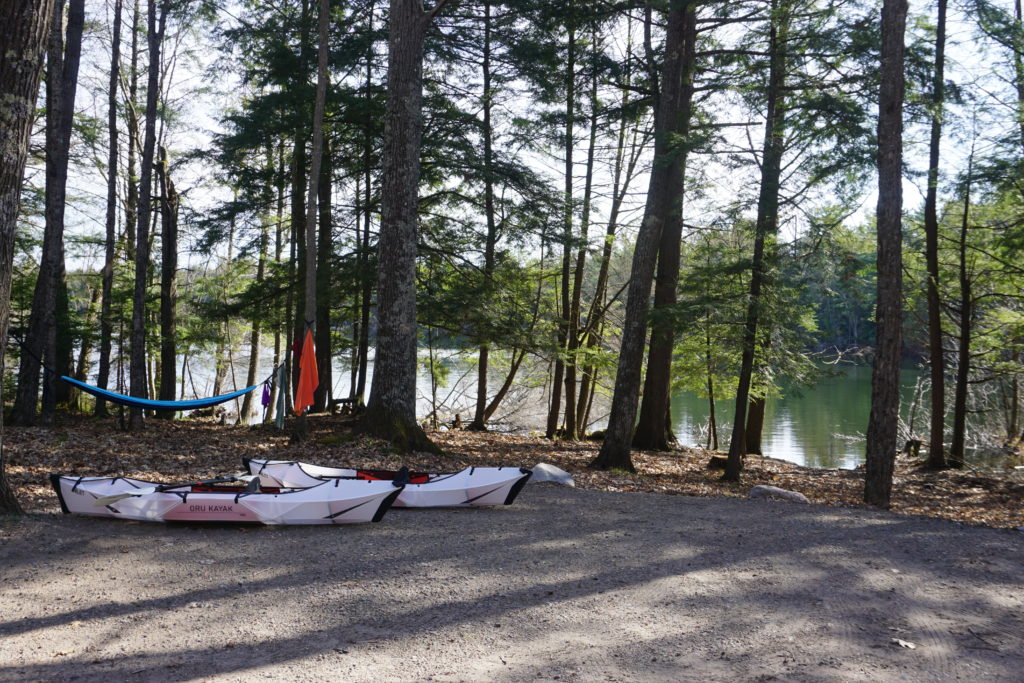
820 426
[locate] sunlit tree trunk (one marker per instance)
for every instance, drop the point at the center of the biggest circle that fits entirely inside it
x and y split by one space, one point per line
664 196
766 227
139 383
22 46
41 340
479 422
567 211
966 310
110 241
885 377
937 362
654 427
391 411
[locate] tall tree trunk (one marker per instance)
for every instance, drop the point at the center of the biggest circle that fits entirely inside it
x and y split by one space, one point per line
561 373
966 305
937 362
365 272
22 46
479 422
41 340
324 249
765 229
654 428
278 251
575 405
131 205
885 377
110 241
168 284
155 34
391 412
622 174
1018 68
664 196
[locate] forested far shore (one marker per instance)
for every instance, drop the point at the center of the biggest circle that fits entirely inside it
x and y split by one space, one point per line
601 205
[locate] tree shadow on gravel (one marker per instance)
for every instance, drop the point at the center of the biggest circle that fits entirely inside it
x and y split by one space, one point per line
273 597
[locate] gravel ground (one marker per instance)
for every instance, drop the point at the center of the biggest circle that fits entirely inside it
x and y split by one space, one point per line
566 584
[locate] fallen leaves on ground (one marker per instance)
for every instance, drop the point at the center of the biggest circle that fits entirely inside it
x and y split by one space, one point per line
187 450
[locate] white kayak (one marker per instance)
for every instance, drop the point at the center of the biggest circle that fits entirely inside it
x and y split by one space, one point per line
332 502
473 486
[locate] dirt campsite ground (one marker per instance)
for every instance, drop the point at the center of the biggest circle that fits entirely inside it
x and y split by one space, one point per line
612 580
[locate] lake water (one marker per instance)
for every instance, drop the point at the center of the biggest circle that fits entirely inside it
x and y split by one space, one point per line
820 426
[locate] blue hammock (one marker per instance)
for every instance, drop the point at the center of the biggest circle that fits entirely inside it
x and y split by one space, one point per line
133 402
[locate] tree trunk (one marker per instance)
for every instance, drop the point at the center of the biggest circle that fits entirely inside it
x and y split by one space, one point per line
109 244
755 425
963 369
575 405
278 251
324 249
885 376
22 46
391 412
131 204
622 175
41 340
766 227
937 365
81 372
479 422
168 284
663 198
654 428
565 324
365 276
155 34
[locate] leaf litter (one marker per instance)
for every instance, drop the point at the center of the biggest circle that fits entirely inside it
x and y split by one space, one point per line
192 449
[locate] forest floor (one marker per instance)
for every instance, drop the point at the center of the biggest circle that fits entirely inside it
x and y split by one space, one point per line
612 580
190 449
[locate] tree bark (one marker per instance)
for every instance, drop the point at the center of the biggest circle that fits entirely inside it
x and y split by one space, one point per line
110 240
22 46
885 376
663 197
562 373
41 340
479 422
575 405
168 284
755 424
766 227
391 411
324 249
937 363
966 306
155 34
654 428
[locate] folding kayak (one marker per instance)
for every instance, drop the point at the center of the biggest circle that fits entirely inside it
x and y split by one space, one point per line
473 486
227 499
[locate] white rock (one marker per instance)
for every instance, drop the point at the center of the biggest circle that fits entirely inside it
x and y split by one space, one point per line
775 493
545 472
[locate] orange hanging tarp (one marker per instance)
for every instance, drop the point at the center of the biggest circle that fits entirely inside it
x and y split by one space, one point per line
309 375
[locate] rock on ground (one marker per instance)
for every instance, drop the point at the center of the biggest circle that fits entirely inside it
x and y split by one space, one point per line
567 583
